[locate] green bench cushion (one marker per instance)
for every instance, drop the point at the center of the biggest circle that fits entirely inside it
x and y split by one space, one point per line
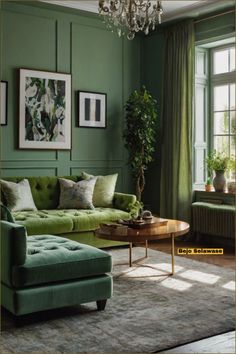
211 206
57 221
52 259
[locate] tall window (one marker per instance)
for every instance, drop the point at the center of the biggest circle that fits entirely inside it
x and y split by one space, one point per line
223 99
214 122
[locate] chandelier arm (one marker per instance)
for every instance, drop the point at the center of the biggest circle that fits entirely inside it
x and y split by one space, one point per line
130 16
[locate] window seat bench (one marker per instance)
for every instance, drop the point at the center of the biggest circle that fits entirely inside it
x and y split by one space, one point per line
213 214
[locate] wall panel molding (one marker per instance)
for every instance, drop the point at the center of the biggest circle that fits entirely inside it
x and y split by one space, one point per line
98 61
28 172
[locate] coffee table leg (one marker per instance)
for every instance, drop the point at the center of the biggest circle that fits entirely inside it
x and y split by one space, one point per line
173 253
146 246
130 254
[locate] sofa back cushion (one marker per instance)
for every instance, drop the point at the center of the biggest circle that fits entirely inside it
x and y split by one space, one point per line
45 190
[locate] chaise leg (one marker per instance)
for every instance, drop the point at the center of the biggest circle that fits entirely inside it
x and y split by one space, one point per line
101 304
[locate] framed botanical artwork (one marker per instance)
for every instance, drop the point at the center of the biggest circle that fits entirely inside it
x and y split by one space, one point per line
3 106
45 110
92 109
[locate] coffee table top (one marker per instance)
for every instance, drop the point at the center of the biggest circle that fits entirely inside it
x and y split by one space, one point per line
172 228
144 223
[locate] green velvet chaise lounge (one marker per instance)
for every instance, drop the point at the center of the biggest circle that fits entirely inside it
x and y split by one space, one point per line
46 272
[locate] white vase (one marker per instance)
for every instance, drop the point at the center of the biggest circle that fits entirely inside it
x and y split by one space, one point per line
219 181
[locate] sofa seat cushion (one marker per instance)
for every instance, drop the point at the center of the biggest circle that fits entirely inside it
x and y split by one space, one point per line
89 220
42 222
53 259
67 220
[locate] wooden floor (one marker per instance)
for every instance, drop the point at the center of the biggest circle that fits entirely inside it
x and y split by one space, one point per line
224 343
225 260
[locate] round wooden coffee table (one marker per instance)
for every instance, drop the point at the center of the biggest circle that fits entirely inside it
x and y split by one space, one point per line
142 233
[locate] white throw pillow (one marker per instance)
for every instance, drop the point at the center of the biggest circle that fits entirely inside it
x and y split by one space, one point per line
104 189
76 195
18 195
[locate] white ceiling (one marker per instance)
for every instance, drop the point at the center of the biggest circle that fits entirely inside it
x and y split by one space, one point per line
171 9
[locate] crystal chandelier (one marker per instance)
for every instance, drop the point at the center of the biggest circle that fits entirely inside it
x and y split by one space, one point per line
130 16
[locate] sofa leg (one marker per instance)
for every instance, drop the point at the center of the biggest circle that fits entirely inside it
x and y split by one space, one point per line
101 304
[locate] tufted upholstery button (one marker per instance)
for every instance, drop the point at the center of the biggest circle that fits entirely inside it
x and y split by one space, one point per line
41 238
72 247
37 244
50 248
32 251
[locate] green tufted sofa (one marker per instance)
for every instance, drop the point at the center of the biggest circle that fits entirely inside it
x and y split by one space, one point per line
77 225
47 272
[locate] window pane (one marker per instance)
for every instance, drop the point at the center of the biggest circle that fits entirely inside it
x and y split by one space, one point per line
232 96
232 59
221 144
221 123
232 146
221 62
232 154
232 123
221 98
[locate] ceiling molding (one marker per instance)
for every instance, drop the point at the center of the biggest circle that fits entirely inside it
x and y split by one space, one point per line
185 9
195 10
89 5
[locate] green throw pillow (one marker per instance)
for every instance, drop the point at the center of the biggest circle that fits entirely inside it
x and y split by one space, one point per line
18 195
104 189
76 195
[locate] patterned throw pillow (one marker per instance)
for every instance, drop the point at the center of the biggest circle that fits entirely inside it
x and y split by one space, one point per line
76 195
104 189
18 195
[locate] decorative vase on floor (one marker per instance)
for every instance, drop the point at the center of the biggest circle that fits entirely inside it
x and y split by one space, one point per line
219 181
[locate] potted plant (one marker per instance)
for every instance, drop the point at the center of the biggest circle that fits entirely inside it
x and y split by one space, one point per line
219 163
140 134
208 185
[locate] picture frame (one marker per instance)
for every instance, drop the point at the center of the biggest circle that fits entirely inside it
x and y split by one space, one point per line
44 110
92 109
3 105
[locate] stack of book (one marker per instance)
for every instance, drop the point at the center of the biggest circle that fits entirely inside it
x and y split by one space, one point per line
113 228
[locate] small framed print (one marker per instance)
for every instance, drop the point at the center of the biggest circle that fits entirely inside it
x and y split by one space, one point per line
45 110
92 109
3 96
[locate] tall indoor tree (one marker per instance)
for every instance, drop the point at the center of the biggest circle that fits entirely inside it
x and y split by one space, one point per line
140 134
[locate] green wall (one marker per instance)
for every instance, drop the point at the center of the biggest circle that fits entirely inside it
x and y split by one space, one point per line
152 64
45 37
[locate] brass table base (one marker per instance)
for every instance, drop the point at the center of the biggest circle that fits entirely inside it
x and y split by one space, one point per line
146 255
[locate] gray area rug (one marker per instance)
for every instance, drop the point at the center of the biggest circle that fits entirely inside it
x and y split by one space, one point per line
149 311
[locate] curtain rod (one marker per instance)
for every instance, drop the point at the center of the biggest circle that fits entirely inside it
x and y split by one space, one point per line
213 16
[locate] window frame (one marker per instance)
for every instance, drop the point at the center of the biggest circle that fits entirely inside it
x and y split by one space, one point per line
207 81
221 79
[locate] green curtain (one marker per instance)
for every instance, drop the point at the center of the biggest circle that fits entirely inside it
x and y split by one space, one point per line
177 112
